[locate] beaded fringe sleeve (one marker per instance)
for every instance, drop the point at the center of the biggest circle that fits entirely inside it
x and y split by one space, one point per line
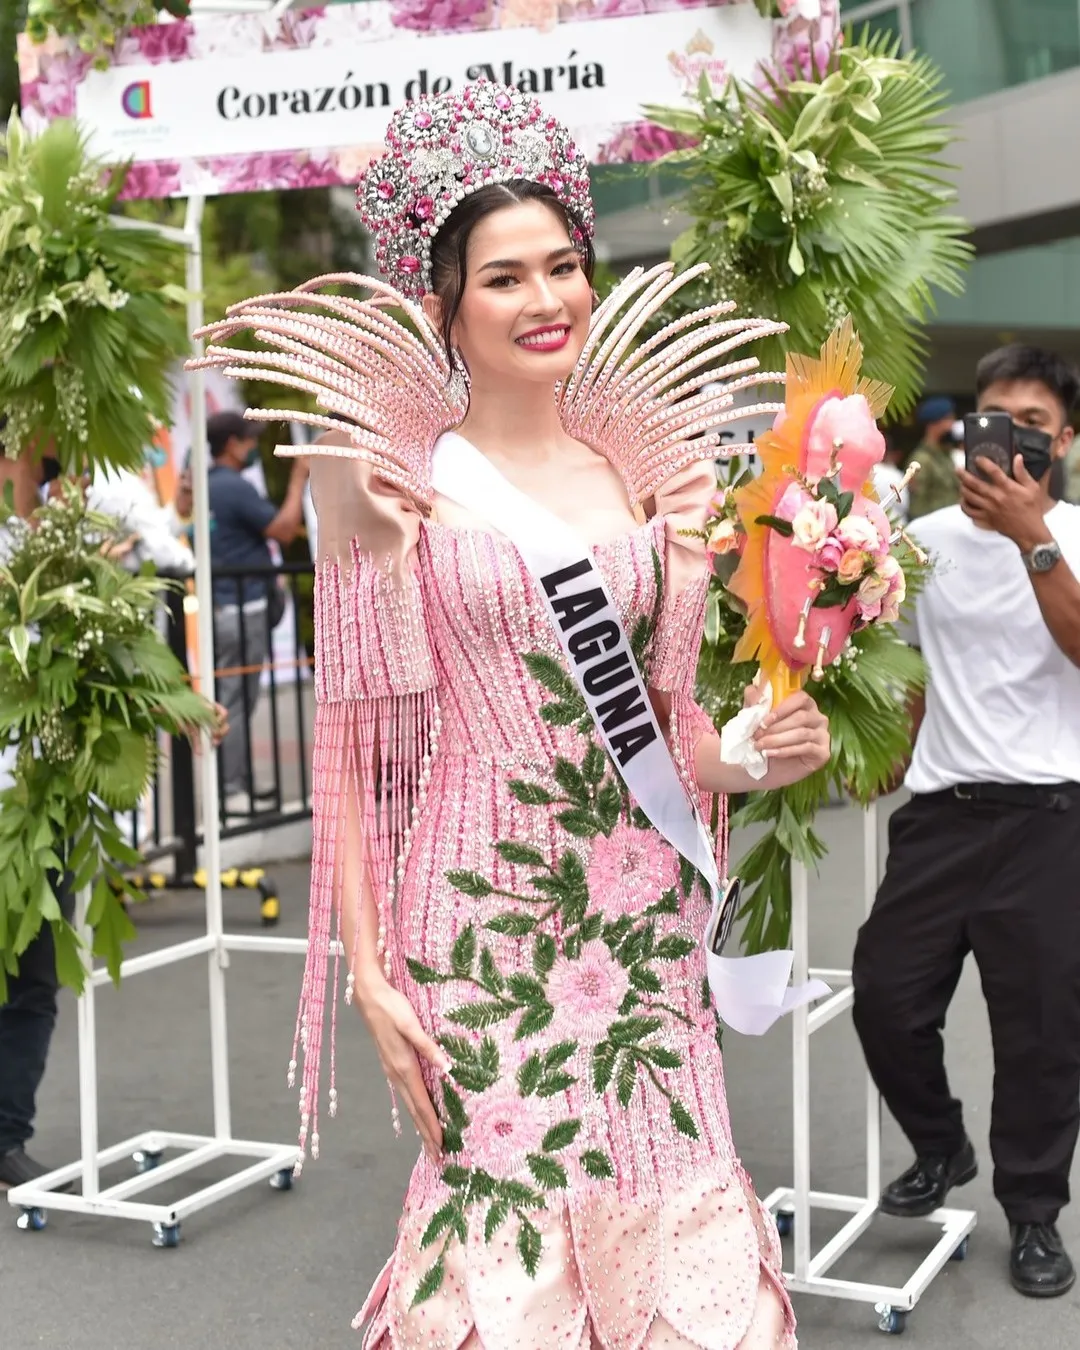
654 405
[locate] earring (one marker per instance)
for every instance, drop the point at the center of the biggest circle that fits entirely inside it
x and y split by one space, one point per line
458 388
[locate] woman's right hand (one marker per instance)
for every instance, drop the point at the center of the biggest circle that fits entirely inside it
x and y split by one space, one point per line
400 1039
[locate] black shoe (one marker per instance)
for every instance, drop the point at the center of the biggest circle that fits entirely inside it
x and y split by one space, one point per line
1039 1265
926 1183
17 1168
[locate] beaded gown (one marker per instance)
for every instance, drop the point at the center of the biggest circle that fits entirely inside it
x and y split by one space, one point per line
589 1193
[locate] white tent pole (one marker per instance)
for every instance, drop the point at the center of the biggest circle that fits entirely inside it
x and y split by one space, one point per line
218 957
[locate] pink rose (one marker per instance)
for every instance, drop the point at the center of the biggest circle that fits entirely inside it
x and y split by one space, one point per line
893 573
890 610
855 531
813 524
868 612
718 502
873 587
724 538
794 499
849 422
853 563
830 553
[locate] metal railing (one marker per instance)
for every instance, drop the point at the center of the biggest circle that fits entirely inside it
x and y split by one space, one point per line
267 683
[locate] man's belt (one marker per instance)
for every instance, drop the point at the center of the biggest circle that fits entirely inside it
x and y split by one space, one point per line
1046 796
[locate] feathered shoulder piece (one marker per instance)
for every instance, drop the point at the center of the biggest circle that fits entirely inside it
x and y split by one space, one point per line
385 384
650 405
654 405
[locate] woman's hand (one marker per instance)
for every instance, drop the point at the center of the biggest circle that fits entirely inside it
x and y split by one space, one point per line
400 1039
795 740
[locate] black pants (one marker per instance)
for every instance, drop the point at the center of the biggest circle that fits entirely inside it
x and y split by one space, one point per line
27 1020
1003 882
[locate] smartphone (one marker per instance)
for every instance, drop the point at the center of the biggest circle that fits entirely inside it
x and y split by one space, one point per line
988 435
722 921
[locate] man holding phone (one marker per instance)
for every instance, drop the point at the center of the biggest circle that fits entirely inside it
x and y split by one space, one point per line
985 856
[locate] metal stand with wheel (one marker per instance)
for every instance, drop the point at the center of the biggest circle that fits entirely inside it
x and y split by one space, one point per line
793 1205
263 1161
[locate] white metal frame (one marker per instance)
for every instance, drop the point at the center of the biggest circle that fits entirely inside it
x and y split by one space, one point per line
810 1272
264 1160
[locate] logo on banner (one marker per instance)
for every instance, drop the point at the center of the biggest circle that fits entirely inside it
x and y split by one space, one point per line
697 59
135 100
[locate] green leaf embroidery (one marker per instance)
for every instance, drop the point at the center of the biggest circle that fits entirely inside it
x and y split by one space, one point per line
554 1083
673 948
455 1108
609 806
528 1245
496 1217
441 1220
548 1173
534 1021
581 824
480 1016
430 1284
662 1057
463 953
530 794
526 988
667 904
512 924
523 854
469 883
683 1120
641 977
627 1079
423 974
548 672
560 1054
603 1065
529 1075
572 781
456 1177
544 953
489 976
594 765
597 1164
560 1136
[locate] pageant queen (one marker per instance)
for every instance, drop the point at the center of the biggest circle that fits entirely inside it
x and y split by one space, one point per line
512 781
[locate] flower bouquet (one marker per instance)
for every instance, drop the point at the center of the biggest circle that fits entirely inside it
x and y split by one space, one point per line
809 577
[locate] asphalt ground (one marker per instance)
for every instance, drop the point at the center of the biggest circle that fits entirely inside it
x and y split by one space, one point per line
265 1270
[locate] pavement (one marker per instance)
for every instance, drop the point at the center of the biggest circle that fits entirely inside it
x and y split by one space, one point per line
266 1270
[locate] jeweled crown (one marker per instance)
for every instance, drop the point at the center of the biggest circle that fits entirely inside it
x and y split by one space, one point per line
440 149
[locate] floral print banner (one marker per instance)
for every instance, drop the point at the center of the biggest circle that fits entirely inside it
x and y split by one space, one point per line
240 103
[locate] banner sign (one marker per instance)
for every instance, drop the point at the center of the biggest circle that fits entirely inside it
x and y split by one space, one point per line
234 103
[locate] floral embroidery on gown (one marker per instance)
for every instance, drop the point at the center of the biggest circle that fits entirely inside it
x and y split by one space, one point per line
589 1194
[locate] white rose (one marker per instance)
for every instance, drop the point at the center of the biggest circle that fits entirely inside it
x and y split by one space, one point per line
873 587
813 524
857 532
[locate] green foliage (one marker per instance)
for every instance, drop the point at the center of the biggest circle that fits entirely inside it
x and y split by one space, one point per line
88 330
822 198
86 684
97 25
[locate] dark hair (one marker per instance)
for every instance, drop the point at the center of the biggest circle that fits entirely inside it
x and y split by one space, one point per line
1020 362
221 427
450 244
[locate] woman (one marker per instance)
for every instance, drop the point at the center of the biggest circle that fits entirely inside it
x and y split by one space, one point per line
523 944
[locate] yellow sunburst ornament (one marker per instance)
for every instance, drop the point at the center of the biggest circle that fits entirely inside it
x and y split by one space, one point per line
817 561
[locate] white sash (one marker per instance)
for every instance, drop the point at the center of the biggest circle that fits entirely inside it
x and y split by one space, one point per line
751 992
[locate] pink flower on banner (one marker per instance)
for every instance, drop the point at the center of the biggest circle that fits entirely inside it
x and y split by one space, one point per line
440 15
630 870
298 27
157 43
540 14
160 178
287 169
804 41
504 1128
641 143
586 992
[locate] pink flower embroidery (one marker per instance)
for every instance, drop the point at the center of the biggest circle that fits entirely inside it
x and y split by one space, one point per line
586 993
504 1128
630 870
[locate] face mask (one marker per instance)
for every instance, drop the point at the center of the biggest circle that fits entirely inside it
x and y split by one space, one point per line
1035 447
253 457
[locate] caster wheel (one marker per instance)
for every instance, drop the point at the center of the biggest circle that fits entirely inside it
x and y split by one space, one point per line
785 1223
146 1160
892 1321
960 1254
32 1220
166 1235
283 1180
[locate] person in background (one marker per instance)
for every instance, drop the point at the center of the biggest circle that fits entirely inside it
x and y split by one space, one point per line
153 532
936 484
985 856
241 522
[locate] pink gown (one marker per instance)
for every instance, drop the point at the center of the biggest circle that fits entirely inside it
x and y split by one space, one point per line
590 1194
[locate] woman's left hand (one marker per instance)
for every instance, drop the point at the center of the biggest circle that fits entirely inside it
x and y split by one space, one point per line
795 740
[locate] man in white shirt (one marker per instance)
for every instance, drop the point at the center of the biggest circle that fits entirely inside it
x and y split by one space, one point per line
985 856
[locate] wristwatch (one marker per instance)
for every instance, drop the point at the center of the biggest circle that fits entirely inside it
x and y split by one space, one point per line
1042 557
